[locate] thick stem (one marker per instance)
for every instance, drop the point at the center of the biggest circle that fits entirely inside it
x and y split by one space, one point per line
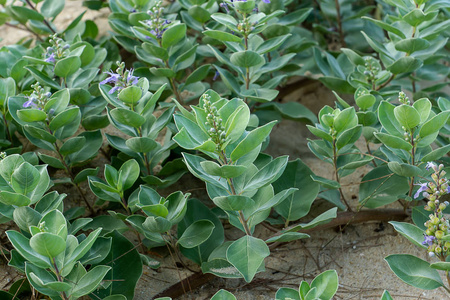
386 83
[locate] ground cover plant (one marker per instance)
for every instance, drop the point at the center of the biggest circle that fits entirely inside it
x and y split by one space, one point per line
192 87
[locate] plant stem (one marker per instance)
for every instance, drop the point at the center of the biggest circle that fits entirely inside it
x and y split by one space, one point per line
72 177
337 174
413 162
60 279
370 153
45 21
27 29
339 23
7 128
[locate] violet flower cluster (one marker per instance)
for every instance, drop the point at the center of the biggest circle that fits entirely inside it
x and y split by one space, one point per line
157 25
438 225
38 98
123 78
59 49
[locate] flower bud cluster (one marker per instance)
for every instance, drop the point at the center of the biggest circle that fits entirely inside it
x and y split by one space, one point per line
123 78
38 98
59 49
245 27
403 99
157 24
3 155
328 119
371 69
214 124
438 225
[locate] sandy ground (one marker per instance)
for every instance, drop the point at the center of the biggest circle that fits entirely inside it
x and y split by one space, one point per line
357 253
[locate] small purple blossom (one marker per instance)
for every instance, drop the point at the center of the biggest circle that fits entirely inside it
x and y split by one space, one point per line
113 78
431 165
266 1
51 58
423 188
428 240
224 6
28 104
448 189
216 75
133 80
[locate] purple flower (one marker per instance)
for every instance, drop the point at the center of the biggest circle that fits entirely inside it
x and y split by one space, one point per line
448 189
51 58
216 75
423 187
167 22
224 6
432 165
113 78
266 1
133 80
428 240
31 102
114 89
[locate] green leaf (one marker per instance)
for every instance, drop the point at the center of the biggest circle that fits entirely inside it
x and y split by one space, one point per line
198 75
222 36
39 134
173 35
414 271
25 216
423 107
436 154
287 293
380 188
326 285
272 44
196 234
323 218
90 281
252 140
22 245
223 295
233 202
128 174
246 255
72 145
345 120
349 136
407 116
388 120
444 266
25 178
64 118
130 95
47 244
126 268
412 45
404 169
9 198
42 78
297 205
31 115
386 296
365 101
52 8
434 124
269 173
386 27
67 66
225 171
326 183
159 52
246 59
393 141
406 64
413 233
127 117
287 237
141 144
